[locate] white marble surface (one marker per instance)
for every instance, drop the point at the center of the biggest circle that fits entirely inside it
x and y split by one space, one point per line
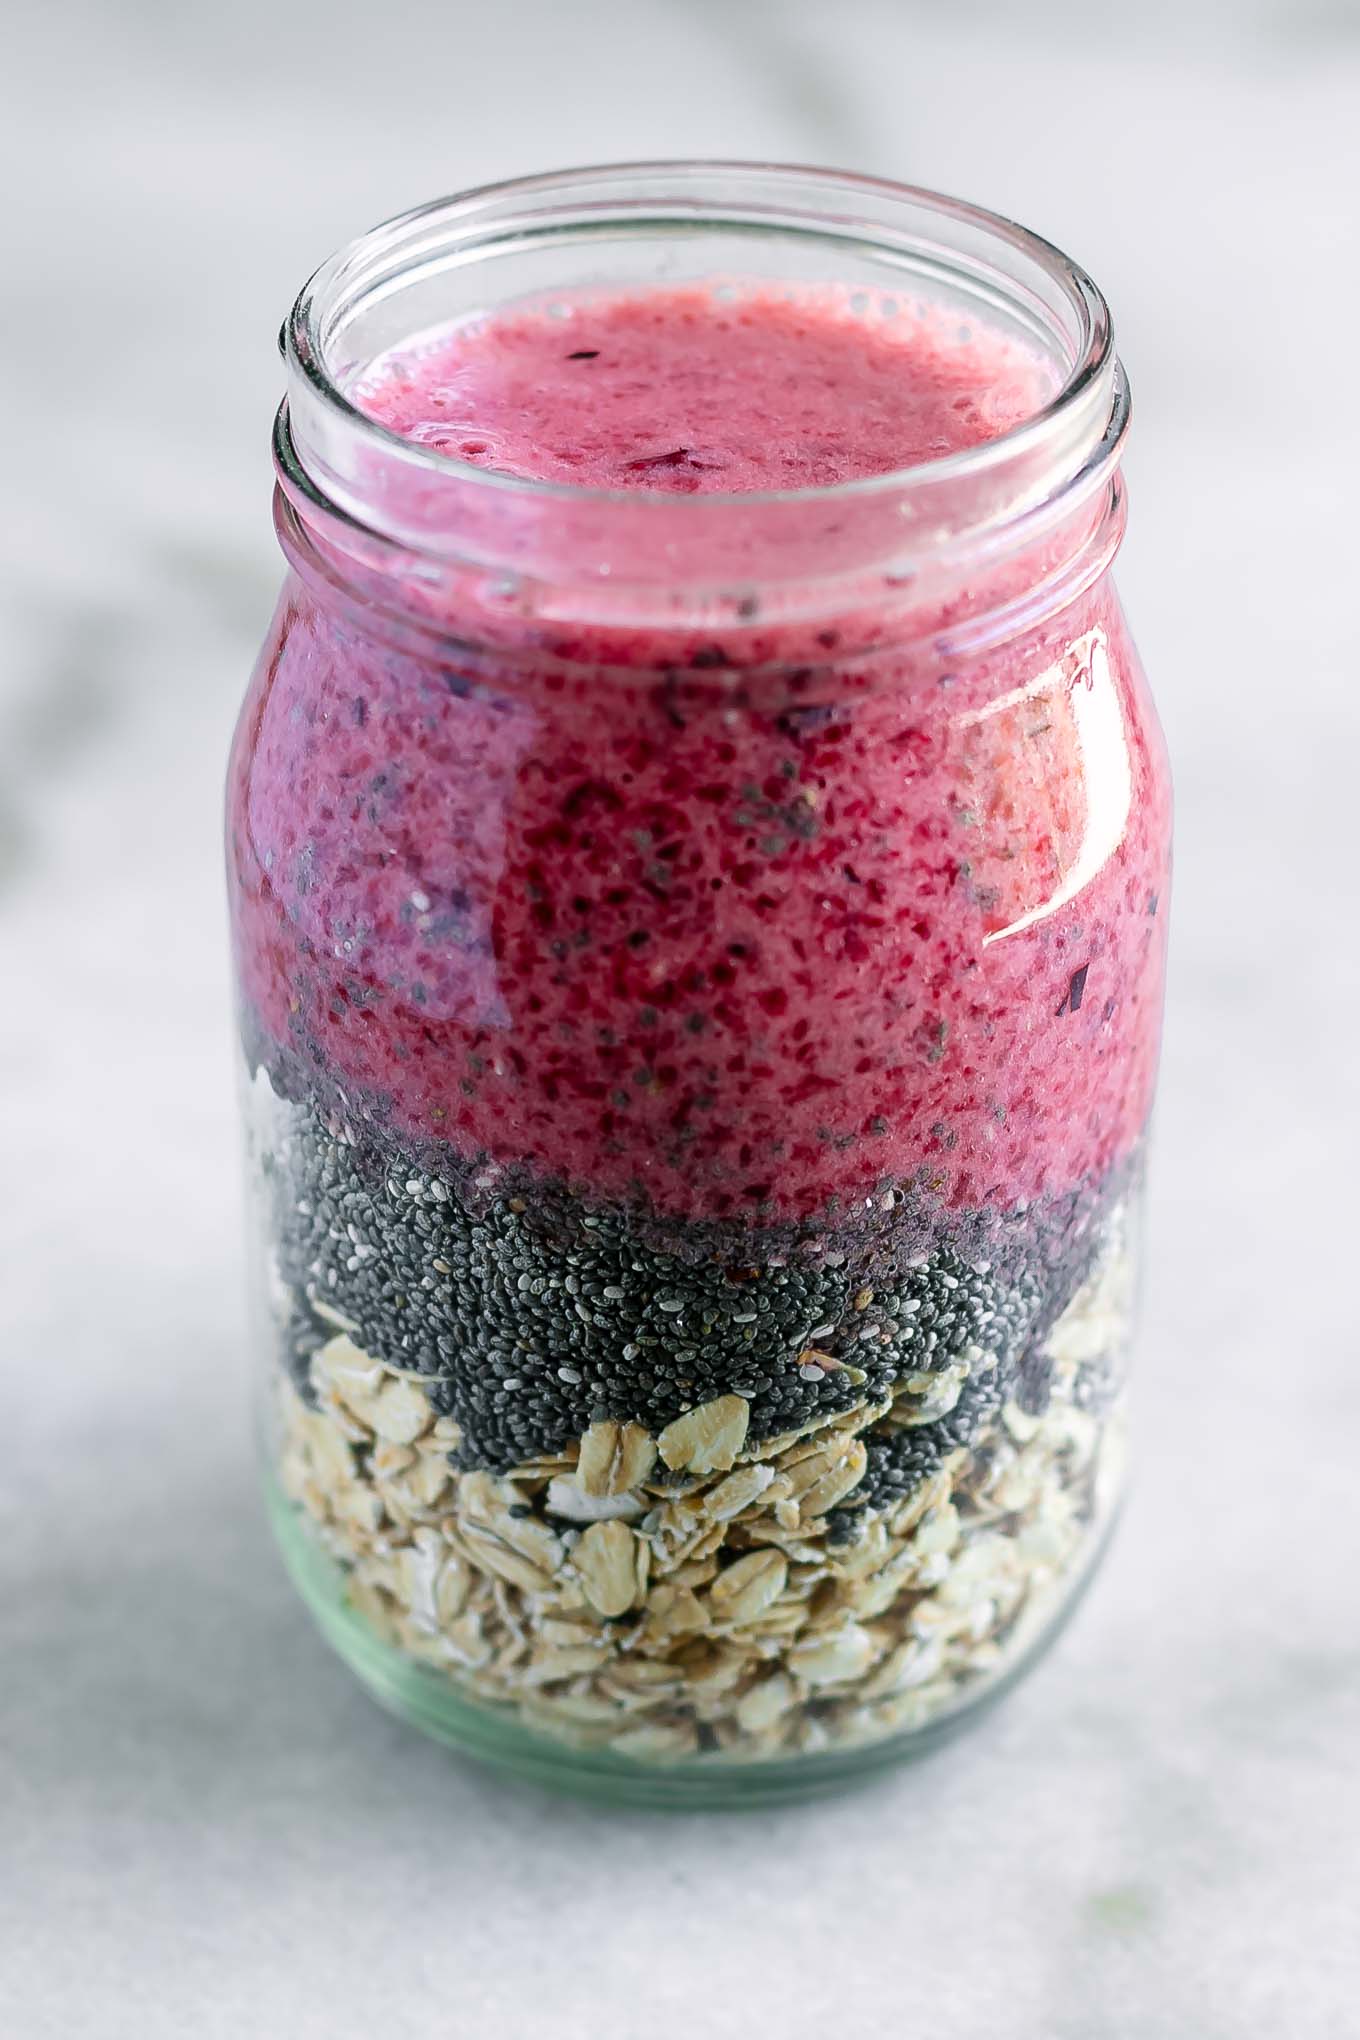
204 1828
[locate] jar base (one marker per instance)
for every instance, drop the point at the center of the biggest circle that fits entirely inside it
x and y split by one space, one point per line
426 1700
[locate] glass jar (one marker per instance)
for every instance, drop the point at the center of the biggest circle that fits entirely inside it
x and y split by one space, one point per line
700 973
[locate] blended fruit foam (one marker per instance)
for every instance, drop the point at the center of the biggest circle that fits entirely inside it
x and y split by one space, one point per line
704 391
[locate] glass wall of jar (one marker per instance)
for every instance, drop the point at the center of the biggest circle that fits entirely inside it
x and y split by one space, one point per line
697 843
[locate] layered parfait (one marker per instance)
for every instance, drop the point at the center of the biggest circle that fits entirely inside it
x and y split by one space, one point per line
696 1122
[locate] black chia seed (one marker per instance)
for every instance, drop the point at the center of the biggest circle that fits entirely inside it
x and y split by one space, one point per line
532 1314
900 1458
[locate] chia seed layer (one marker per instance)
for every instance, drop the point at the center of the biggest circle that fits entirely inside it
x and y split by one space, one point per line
532 1314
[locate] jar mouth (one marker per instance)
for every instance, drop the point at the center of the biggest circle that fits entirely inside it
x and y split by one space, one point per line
451 229
397 282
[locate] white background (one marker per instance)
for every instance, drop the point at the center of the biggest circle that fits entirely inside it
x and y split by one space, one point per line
204 1827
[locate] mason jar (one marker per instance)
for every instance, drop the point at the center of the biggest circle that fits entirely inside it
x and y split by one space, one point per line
698 926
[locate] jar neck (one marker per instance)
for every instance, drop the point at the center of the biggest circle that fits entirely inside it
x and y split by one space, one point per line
967 543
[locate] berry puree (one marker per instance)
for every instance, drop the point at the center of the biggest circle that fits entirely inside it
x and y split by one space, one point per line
734 955
687 391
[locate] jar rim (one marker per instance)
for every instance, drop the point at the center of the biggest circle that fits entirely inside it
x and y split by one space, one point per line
1074 419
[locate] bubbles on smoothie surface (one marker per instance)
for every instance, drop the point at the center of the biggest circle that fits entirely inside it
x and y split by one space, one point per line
706 390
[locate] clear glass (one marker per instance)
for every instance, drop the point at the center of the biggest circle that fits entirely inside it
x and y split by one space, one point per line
700 967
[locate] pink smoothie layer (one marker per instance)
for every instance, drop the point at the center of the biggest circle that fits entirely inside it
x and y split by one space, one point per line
682 391
731 960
